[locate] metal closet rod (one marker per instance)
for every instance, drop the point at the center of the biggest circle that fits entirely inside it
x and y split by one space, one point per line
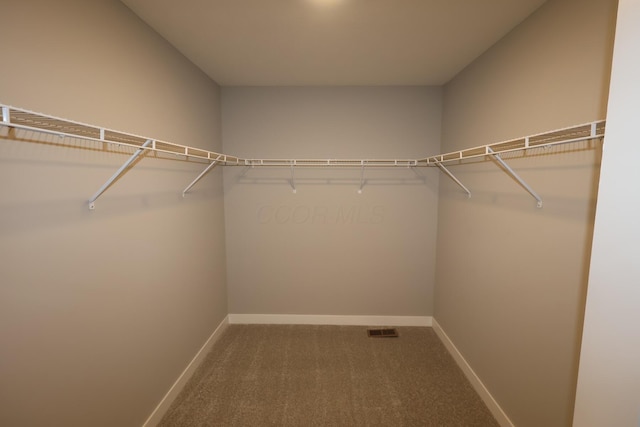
18 118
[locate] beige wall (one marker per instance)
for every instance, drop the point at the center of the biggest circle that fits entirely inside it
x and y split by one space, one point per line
608 390
511 278
327 250
100 311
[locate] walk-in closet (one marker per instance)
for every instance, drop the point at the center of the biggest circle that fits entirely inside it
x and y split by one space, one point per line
309 212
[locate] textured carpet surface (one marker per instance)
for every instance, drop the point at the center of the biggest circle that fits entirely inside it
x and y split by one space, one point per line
273 375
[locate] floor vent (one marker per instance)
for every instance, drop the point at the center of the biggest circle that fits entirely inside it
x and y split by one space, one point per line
382 333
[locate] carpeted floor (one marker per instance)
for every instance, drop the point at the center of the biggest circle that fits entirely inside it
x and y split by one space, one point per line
273 375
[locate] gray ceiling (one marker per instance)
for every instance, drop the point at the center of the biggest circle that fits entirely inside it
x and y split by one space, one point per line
332 42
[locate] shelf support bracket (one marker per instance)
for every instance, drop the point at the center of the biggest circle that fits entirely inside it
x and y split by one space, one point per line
293 179
203 173
361 177
457 181
515 176
118 173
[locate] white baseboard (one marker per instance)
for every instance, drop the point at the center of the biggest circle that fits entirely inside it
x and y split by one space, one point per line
168 398
304 319
475 381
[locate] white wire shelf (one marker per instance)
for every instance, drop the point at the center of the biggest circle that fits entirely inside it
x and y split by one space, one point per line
577 133
36 122
333 163
18 118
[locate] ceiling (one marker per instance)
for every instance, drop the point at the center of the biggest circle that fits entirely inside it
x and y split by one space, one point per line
332 42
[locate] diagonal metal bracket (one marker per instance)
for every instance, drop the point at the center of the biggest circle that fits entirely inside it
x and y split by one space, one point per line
293 178
457 181
203 173
515 176
361 178
118 173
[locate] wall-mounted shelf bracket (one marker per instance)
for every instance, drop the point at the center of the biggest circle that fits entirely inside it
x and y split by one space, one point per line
457 181
515 176
361 178
119 173
293 178
203 173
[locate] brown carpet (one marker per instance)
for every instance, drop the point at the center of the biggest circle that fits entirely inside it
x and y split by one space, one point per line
272 375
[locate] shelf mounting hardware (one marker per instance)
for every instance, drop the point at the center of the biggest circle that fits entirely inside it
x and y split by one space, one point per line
293 178
457 181
119 173
361 177
515 176
203 173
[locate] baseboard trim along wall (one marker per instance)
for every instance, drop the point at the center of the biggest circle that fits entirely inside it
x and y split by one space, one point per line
475 381
167 400
304 319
